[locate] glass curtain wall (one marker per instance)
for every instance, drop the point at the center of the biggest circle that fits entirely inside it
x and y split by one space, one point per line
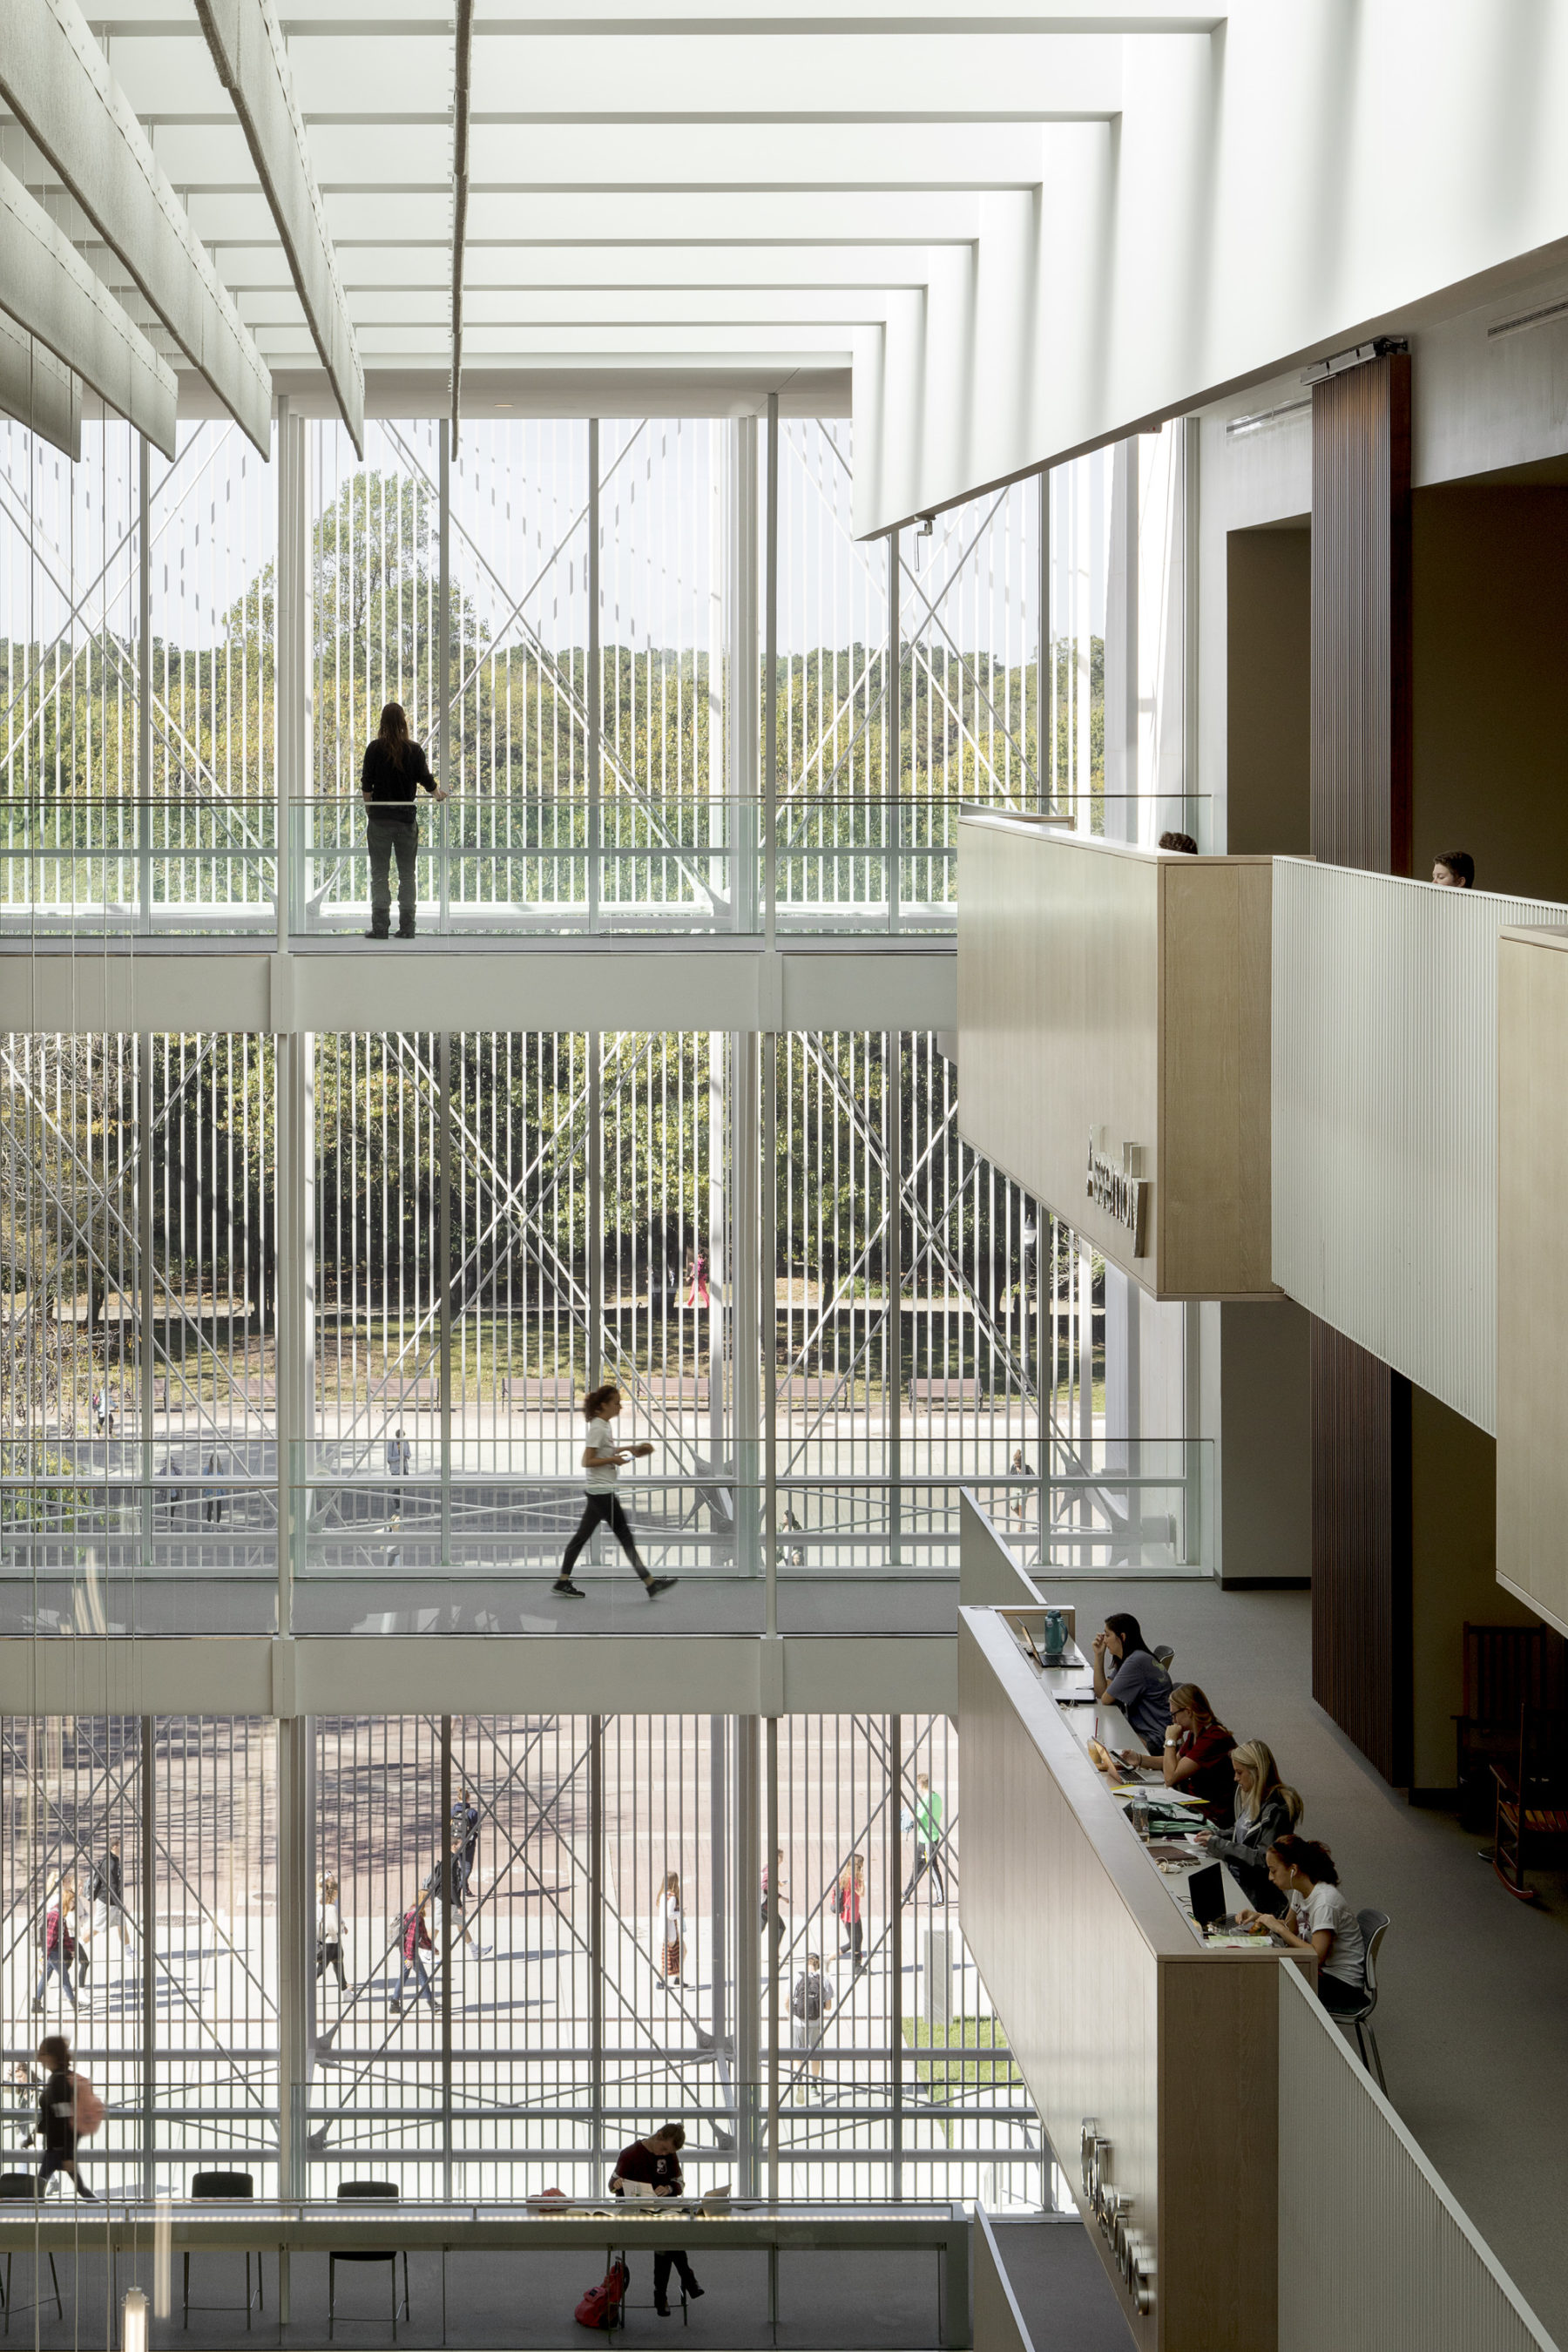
611 1958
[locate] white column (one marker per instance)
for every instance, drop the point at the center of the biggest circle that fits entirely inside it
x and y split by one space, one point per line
291 686
745 1304
742 729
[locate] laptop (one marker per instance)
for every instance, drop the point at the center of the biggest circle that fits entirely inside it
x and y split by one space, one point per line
1205 1892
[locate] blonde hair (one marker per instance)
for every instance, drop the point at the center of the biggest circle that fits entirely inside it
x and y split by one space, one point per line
1259 1758
1192 1701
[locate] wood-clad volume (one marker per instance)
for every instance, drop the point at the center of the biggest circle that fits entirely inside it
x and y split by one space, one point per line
1362 735
1361 1549
1363 727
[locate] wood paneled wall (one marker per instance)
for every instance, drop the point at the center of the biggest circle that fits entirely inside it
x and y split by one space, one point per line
1361 1549
1362 735
1362 724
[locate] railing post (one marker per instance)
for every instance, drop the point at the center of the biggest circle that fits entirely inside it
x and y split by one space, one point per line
893 1282
893 732
771 688
444 1275
149 1828
446 1852
895 1850
444 626
143 689
595 683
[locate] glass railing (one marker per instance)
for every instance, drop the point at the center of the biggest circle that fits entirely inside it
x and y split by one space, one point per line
631 863
106 1535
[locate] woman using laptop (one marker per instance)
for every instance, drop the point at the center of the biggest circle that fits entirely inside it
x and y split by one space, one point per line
1265 1809
1318 1920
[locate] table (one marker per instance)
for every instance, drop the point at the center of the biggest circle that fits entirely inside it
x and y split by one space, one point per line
600 2226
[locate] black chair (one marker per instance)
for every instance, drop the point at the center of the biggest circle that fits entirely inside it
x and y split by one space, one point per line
18 2185
362 2188
223 2184
1374 1928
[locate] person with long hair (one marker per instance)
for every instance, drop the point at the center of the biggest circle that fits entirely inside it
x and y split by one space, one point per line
60 2114
602 1459
1197 1752
1128 1674
60 1942
1317 1919
849 1900
395 770
671 1924
1265 1809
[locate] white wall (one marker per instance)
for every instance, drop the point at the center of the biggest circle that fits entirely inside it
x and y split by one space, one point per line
1301 177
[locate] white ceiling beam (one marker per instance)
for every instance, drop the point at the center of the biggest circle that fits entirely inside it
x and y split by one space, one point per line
373 269
50 292
38 391
55 79
247 47
819 218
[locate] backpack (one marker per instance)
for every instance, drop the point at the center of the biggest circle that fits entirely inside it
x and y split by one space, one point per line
89 2108
807 1997
601 2306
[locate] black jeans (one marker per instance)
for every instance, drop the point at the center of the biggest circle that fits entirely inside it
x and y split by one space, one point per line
1341 1999
602 1509
668 2259
389 835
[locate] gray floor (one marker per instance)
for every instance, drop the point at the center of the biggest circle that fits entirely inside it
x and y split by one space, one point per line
1473 2012
827 2303
1069 2304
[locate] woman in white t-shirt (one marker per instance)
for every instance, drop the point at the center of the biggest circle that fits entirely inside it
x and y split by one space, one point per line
329 1933
602 1459
1318 1920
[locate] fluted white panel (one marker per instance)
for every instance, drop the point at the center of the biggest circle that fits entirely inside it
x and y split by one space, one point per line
1374 2254
1385 1117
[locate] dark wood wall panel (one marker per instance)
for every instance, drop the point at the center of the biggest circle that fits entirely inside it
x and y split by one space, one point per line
1362 1549
1363 733
1361 710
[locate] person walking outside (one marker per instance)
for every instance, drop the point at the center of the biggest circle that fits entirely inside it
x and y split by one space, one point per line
59 1943
697 1277
68 2107
810 2006
850 1895
672 1921
211 1508
329 1933
655 2164
399 1462
108 1891
602 1459
416 1938
395 770
927 1840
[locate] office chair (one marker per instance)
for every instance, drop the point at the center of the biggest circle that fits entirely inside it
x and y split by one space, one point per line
19 2185
363 2189
1164 1655
223 2184
1373 1927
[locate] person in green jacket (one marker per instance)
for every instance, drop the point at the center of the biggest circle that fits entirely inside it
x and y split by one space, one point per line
927 1824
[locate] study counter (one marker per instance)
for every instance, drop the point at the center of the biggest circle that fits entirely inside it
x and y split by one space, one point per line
1151 2052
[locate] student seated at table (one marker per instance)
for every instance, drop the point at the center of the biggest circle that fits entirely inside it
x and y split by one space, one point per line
1317 1919
655 2163
1128 1674
1196 1756
1265 1809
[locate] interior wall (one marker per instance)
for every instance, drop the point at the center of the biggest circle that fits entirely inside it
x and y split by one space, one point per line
1453 1576
1269 677
1266 1466
1491 622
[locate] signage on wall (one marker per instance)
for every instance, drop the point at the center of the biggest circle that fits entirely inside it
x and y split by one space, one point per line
1119 1188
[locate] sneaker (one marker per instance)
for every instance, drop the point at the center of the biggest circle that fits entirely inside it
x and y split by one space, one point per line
661 2307
377 935
569 1592
658 1584
693 2292
408 934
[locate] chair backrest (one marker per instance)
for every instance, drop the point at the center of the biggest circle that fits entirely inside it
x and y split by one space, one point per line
368 2189
1163 1655
18 2184
1508 1667
1374 1925
222 2184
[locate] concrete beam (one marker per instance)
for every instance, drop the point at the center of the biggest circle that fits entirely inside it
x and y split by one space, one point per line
50 292
544 988
247 48
54 77
457 1673
38 392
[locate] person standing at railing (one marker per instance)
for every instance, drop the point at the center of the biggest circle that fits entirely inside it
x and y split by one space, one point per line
395 770
602 1459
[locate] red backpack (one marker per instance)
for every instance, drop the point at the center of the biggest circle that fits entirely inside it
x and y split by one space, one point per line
601 2306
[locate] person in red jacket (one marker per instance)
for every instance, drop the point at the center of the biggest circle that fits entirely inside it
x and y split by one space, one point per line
60 1944
416 1938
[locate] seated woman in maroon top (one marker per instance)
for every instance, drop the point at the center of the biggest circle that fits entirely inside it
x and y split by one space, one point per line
1197 1753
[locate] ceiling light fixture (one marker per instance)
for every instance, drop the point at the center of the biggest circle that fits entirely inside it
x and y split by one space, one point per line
1358 355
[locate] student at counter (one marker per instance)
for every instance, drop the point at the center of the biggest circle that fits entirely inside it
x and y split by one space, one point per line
1265 1809
1318 1920
1197 1752
1128 1674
